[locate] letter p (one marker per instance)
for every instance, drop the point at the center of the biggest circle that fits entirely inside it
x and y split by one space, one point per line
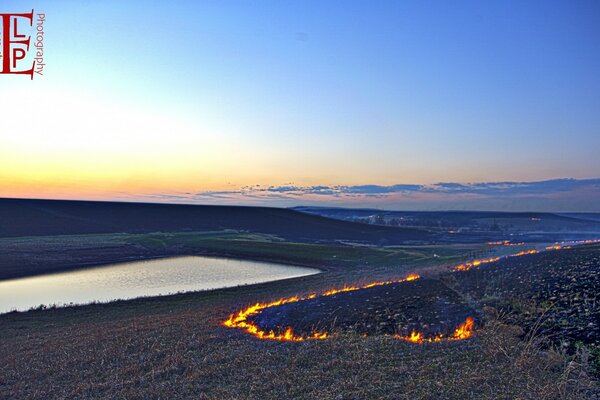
18 54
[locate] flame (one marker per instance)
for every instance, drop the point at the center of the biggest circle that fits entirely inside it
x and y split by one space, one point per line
240 320
415 337
467 266
475 263
463 331
524 253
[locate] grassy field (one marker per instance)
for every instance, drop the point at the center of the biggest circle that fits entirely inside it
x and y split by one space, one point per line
25 256
176 346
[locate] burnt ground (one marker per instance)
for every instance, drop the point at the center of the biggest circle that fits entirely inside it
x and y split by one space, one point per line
425 305
555 294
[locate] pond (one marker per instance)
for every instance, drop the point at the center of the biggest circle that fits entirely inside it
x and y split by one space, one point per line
139 278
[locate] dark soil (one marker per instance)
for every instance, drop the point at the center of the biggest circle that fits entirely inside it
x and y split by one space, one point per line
557 294
552 294
425 305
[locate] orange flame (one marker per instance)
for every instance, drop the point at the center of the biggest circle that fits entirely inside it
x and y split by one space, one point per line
475 263
462 332
415 337
467 266
524 253
240 320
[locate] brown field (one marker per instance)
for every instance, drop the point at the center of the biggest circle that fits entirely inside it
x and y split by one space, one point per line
176 347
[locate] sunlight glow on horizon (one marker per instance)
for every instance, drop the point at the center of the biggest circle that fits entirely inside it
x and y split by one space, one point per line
388 94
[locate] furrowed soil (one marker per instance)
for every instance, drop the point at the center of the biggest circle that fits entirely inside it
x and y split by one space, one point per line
555 294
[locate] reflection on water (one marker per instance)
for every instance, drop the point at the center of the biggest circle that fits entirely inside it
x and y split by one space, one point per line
139 278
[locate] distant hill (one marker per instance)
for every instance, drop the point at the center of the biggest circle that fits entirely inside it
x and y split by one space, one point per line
21 217
585 216
479 220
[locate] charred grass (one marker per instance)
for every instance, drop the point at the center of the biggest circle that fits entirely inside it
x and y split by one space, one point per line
552 295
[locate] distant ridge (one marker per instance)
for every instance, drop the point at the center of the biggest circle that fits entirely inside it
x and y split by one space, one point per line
458 216
24 217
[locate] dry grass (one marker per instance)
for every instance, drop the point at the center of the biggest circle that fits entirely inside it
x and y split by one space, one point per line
187 354
175 347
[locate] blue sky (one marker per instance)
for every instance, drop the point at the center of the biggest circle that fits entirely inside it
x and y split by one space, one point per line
230 94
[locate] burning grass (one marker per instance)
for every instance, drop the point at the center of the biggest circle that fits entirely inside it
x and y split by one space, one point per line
177 353
245 318
476 263
462 332
241 321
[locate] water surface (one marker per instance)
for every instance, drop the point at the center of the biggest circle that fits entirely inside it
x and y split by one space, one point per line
139 278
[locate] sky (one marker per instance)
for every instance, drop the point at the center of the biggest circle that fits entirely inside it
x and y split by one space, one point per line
235 101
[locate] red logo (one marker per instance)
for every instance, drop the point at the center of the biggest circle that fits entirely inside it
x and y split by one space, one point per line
15 44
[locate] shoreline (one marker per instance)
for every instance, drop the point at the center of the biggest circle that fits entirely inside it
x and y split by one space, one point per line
56 306
79 266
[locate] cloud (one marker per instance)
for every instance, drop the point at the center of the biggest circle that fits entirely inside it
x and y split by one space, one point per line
550 195
378 190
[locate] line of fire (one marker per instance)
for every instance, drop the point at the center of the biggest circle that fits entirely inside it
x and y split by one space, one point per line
463 331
